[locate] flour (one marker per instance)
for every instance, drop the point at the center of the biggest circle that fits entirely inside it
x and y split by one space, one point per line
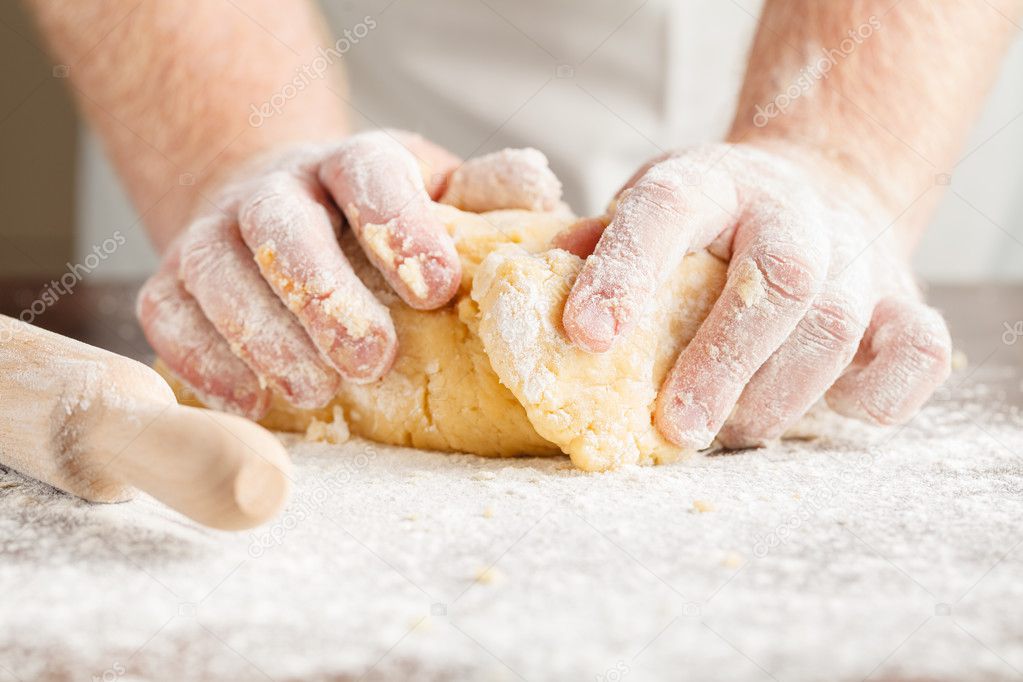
903 536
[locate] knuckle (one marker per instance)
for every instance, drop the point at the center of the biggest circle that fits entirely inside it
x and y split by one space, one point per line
650 196
832 324
370 145
205 250
650 209
276 188
197 255
786 274
278 205
157 292
275 185
924 336
193 250
931 351
666 186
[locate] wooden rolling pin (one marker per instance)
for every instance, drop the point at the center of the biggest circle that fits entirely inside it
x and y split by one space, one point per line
96 425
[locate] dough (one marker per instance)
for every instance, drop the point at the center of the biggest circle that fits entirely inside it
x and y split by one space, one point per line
596 407
492 373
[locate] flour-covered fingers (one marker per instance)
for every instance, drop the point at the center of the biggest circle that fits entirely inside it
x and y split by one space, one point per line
779 262
510 178
904 358
218 270
800 372
377 184
678 205
288 229
192 349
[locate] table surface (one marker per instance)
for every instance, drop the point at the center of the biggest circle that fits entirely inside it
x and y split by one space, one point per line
866 553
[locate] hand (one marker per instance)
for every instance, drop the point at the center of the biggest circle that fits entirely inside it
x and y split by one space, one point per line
255 296
817 301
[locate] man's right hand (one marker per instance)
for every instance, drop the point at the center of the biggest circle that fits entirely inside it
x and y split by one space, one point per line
255 297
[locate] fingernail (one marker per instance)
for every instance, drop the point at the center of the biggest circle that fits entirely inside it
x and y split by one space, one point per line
594 327
689 426
308 385
431 281
365 360
254 404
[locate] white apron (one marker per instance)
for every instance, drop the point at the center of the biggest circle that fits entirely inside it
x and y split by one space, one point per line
599 86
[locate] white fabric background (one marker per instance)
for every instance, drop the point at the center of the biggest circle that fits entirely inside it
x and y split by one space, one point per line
481 75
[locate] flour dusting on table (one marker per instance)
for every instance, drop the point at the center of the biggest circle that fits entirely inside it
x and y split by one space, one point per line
402 564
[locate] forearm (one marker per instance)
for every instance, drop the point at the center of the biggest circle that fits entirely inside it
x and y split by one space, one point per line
174 89
888 96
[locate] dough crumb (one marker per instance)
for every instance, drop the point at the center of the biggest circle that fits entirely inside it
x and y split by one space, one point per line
749 283
488 513
333 432
411 273
959 360
484 476
703 506
733 560
489 575
424 624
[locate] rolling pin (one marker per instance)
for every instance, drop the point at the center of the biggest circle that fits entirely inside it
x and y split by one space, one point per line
98 425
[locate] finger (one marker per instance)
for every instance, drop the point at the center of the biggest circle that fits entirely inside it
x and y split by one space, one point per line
435 163
638 175
376 183
192 349
286 225
778 263
510 178
218 270
904 357
799 373
581 237
656 223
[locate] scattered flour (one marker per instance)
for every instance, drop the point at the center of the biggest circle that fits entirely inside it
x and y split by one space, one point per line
892 554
